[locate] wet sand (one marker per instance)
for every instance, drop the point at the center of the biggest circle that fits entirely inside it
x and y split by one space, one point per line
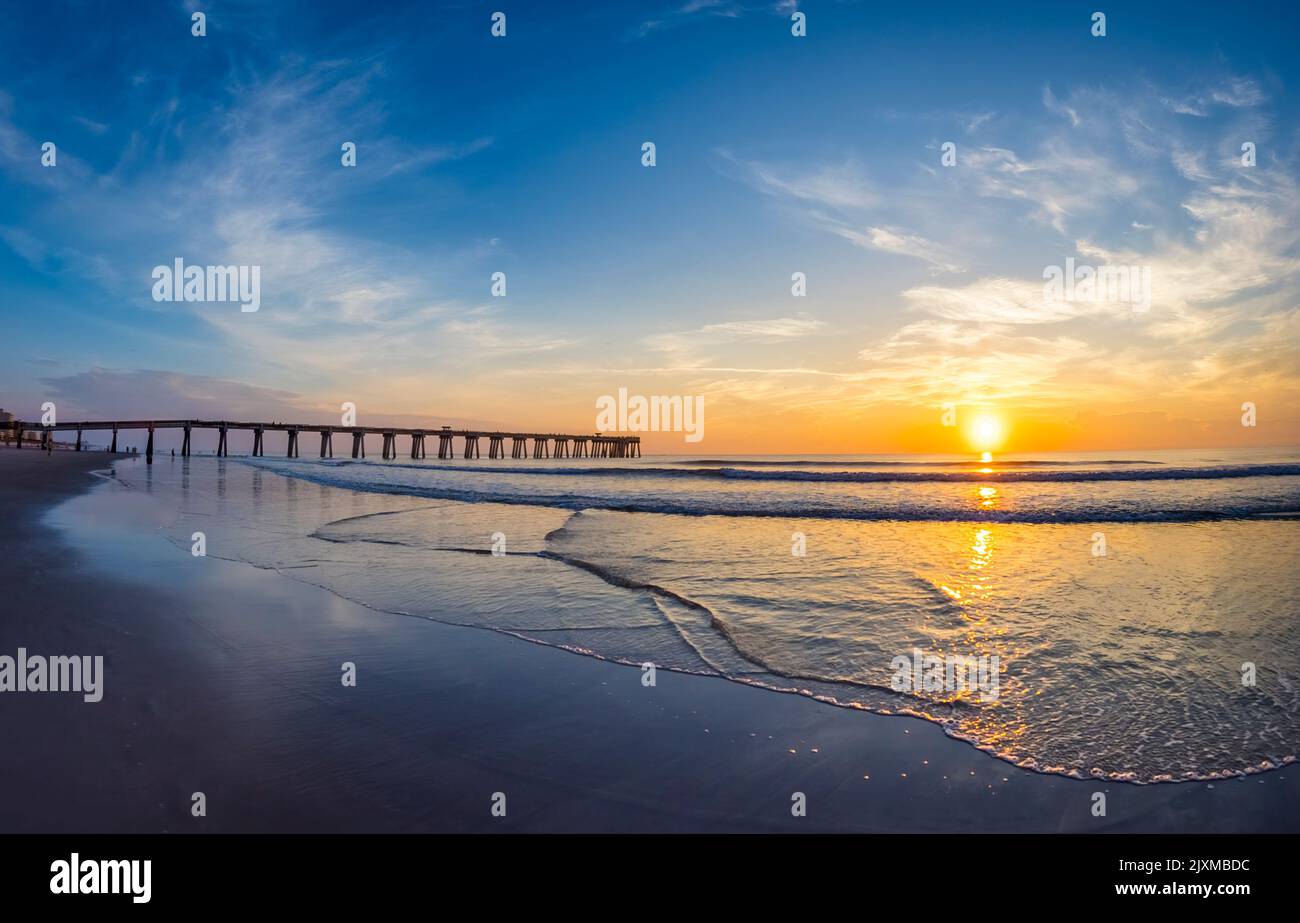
225 679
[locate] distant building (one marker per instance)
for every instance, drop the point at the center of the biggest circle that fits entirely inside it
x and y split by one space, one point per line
6 433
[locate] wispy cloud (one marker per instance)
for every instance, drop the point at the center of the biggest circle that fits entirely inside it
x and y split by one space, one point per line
838 199
708 338
1055 105
95 128
838 186
688 12
900 242
1060 184
249 197
1233 91
1227 289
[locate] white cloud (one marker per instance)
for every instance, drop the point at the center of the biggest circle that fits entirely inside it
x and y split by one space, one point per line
891 241
1232 91
733 332
840 186
1055 105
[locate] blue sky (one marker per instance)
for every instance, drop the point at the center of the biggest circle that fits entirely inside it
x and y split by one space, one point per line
775 154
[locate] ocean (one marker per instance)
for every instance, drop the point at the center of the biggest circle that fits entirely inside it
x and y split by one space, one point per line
1142 607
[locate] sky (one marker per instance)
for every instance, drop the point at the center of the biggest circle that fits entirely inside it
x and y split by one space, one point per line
774 154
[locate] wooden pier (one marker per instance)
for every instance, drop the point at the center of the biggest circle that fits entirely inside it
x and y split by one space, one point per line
544 445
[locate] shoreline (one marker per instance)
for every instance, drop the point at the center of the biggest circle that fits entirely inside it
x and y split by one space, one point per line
227 682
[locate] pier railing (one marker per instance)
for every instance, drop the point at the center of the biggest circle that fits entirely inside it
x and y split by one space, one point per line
544 445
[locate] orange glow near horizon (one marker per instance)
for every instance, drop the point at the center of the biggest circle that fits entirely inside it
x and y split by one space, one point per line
744 426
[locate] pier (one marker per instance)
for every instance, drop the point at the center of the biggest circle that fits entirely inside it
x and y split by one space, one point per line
544 445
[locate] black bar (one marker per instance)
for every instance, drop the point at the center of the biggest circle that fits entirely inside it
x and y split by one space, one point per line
954 876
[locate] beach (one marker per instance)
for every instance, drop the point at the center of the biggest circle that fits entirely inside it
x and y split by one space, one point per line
223 678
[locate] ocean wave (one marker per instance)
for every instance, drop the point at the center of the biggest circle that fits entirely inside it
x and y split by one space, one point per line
982 474
953 463
763 506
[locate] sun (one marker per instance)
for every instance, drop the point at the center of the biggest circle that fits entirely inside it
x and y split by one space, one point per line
985 432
